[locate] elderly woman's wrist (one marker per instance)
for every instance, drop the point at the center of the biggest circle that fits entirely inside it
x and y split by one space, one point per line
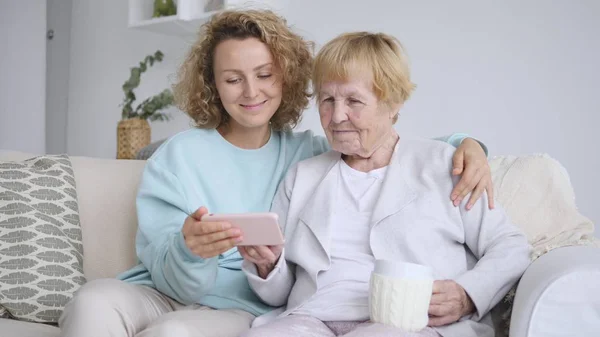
265 270
468 305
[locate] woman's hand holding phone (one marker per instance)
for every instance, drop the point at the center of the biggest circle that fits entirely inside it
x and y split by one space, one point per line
264 257
209 239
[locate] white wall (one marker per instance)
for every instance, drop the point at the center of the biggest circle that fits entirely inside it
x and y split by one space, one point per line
102 51
522 77
23 75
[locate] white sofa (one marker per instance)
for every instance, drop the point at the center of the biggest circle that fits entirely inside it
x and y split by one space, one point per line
559 295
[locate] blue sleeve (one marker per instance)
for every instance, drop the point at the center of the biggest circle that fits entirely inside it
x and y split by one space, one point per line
320 145
162 210
456 139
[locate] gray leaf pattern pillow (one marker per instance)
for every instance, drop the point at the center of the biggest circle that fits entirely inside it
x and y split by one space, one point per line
41 250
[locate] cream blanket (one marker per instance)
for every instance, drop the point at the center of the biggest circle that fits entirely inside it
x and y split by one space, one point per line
537 194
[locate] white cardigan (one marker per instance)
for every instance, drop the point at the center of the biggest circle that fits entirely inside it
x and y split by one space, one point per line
413 221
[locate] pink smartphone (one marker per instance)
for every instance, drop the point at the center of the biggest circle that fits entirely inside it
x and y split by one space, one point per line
258 229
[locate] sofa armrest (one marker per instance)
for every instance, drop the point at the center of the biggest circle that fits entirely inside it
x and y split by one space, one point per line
559 295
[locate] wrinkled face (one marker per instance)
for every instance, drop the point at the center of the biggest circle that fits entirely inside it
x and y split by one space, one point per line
248 84
354 120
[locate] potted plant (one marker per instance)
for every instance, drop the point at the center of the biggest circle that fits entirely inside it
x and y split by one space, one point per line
133 130
164 8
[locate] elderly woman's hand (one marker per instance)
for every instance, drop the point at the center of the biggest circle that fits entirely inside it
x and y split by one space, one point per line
449 303
470 161
264 257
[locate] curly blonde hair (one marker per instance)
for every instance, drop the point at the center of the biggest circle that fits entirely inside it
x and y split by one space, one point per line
195 91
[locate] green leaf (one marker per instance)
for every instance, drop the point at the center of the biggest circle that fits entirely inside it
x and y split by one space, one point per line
134 80
159 55
141 111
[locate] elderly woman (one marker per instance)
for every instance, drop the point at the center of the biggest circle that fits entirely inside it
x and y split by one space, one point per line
377 196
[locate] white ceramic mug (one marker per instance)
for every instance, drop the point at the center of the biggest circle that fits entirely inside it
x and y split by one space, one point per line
400 293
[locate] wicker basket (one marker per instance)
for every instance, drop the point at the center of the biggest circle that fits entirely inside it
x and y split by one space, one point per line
132 135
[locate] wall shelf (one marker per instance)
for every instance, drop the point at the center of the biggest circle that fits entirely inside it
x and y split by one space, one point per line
191 14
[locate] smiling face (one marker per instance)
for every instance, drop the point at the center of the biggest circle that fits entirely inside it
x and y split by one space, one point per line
248 83
355 122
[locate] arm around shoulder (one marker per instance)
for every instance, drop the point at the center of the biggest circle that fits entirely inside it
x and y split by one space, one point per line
456 140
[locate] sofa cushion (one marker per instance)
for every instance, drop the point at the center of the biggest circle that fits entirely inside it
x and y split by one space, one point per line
41 249
106 190
14 328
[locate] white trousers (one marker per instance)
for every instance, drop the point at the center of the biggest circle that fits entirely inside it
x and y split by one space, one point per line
113 308
307 326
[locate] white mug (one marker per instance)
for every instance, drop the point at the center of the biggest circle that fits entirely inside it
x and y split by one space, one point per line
400 293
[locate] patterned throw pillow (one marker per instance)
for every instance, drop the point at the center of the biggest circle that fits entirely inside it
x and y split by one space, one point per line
41 251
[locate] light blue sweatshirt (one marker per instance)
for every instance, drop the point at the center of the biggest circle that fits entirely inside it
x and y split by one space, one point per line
200 168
